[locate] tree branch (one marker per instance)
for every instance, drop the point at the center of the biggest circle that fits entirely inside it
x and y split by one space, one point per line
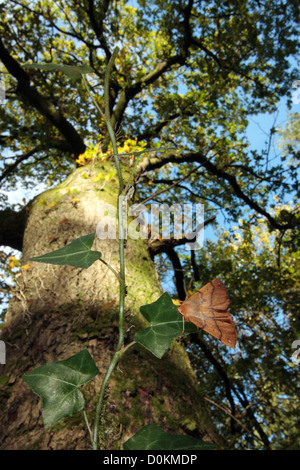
12 227
129 92
11 167
249 412
168 247
196 340
98 26
213 169
29 94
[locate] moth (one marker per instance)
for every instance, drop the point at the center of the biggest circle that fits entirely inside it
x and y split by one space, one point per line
207 309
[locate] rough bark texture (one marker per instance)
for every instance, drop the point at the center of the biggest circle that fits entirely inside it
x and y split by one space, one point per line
58 311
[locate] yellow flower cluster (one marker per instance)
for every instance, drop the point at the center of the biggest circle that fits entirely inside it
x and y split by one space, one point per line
94 152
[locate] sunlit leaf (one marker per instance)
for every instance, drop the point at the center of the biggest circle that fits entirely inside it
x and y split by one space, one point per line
165 325
78 254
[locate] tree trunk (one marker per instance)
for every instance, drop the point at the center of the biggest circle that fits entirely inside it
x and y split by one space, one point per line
58 311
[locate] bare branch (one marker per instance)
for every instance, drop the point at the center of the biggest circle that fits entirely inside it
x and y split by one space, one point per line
11 167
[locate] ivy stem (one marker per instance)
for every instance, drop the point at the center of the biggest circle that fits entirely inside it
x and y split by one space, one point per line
88 426
108 119
115 359
111 268
120 200
88 89
121 276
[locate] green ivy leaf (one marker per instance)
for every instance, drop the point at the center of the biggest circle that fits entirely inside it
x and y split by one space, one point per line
78 254
152 437
165 325
73 71
57 383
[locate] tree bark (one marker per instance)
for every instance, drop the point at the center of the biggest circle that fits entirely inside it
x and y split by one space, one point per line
58 311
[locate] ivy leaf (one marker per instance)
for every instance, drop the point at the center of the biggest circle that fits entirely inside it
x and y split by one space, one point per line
165 325
152 437
78 254
73 71
57 383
